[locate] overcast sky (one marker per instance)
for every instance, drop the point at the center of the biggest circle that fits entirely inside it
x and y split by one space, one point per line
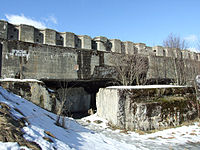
145 21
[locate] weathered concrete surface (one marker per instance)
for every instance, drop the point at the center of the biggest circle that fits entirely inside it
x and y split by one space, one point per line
78 100
147 108
48 54
53 62
35 92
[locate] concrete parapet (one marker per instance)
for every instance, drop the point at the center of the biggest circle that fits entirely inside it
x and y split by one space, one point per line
101 42
59 39
141 48
159 51
194 56
39 36
198 56
69 39
86 41
13 32
26 33
50 37
140 45
169 52
176 52
129 47
3 29
150 50
116 45
186 54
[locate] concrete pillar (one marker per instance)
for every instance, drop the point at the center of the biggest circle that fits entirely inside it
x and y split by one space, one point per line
50 37
3 29
101 43
69 39
116 45
129 47
86 41
26 33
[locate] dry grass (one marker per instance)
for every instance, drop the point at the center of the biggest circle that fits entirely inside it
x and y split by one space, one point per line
49 134
48 139
97 121
193 134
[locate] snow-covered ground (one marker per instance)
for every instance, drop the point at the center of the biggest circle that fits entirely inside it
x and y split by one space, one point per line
91 135
19 80
144 87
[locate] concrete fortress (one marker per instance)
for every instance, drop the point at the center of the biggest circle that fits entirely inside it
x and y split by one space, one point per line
46 54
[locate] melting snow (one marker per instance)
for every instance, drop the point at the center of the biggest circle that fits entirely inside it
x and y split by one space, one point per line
144 87
91 135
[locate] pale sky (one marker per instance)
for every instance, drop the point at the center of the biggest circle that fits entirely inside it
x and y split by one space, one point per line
144 21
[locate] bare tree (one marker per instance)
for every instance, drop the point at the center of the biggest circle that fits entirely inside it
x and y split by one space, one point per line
174 41
65 104
129 68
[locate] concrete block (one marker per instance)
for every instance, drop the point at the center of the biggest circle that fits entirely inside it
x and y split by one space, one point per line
86 41
49 37
131 112
150 50
59 39
140 48
3 29
101 43
116 45
69 39
159 51
198 56
194 56
176 52
39 36
169 52
13 32
129 47
185 54
26 33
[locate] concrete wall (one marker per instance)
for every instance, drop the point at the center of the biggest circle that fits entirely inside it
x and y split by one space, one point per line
67 39
146 108
35 92
50 37
47 54
116 45
78 100
108 109
3 29
26 33
53 62
39 62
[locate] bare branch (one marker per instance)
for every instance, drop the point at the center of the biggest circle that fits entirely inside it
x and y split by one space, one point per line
174 41
129 68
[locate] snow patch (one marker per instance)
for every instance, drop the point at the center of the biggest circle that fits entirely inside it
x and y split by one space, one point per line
19 80
144 87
